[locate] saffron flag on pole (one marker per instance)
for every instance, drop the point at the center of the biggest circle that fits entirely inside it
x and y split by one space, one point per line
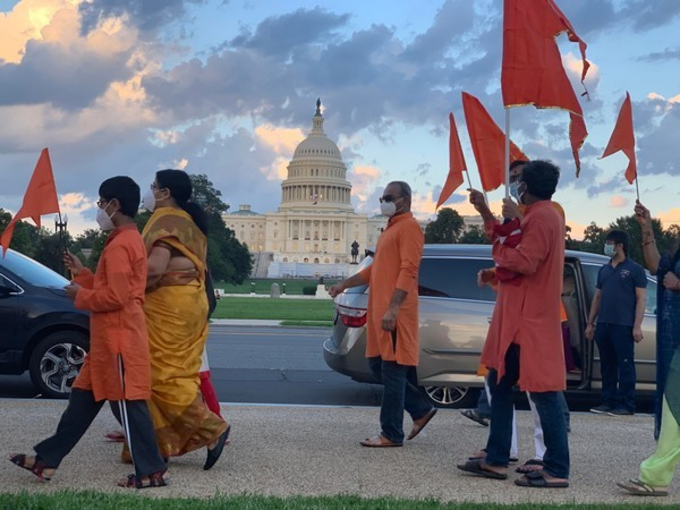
532 72
623 139
40 198
488 143
456 164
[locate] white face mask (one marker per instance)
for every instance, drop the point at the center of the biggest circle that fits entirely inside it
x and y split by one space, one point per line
514 190
389 209
149 201
609 250
104 220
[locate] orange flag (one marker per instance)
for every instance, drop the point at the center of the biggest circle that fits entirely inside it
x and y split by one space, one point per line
40 198
532 71
488 143
623 139
456 164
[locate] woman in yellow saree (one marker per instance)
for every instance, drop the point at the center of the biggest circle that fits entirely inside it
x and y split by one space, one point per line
176 311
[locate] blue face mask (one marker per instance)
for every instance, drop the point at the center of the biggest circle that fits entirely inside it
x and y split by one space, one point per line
609 250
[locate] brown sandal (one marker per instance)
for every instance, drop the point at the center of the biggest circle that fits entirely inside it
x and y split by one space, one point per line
379 441
38 467
155 479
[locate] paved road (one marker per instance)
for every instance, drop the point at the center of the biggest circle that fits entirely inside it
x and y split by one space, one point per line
275 365
262 365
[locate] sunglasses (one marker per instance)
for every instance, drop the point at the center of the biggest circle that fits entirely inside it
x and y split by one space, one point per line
389 198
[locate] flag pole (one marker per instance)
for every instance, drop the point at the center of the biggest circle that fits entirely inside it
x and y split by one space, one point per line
467 174
506 170
637 187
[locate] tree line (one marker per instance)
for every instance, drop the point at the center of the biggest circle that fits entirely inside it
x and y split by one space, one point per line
449 228
229 259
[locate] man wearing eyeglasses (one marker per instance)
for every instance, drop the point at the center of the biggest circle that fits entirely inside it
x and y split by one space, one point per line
392 328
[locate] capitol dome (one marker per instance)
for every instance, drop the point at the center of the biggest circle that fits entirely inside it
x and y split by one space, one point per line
317 176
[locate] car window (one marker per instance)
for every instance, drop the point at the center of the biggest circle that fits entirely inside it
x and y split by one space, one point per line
590 278
31 271
361 288
650 301
453 278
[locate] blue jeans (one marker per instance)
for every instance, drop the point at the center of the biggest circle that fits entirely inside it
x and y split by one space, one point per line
550 410
617 365
400 392
483 408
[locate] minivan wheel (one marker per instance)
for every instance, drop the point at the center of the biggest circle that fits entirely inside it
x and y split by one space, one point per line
56 361
452 397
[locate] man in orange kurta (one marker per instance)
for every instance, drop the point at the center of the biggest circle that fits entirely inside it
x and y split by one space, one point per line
392 329
117 367
524 342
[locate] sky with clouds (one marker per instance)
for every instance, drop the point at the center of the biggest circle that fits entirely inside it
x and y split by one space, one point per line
227 88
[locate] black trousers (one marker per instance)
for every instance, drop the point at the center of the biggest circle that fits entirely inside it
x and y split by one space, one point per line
81 411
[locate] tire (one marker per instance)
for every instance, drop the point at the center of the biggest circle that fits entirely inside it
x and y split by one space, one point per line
451 397
56 361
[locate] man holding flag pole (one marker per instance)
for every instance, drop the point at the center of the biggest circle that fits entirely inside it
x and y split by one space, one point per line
532 73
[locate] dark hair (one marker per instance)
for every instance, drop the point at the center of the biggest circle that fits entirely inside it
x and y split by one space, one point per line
517 163
541 178
404 187
123 189
179 184
619 237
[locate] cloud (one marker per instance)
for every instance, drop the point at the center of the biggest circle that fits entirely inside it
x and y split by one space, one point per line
660 56
670 217
618 201
283 34
282 141
148 15
61 68
364 179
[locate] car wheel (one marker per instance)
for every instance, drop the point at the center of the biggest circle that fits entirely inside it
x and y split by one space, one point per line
452 397
56 361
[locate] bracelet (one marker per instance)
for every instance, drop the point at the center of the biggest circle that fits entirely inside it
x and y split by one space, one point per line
653 241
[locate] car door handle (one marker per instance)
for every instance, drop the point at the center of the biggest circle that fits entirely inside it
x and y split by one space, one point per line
488 319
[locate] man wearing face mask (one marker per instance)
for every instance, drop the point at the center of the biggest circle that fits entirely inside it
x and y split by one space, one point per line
392 345
619 307
524 342
117 368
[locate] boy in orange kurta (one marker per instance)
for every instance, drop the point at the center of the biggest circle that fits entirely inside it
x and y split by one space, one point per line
392 329
524 343
117 367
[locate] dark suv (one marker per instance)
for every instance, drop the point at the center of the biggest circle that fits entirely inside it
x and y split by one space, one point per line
40 329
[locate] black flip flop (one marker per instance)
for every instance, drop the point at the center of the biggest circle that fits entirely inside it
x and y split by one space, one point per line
531 462
537 479
472 415
476 467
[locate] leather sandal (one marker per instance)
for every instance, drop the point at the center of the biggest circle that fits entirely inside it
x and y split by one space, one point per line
155 479
38 467
379 441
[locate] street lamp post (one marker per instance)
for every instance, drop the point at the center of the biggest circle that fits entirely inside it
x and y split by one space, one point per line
60 225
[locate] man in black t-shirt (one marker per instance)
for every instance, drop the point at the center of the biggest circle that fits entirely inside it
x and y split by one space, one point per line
619 306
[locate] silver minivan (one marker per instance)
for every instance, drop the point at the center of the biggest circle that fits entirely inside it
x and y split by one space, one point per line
454 318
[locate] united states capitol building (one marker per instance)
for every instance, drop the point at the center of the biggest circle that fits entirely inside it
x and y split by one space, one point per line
312 233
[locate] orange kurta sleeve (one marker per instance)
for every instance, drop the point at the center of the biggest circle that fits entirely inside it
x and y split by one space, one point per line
85 279
365 273
410 251
117 293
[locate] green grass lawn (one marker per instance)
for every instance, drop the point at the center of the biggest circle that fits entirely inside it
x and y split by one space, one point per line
104 501
264 285
275 309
